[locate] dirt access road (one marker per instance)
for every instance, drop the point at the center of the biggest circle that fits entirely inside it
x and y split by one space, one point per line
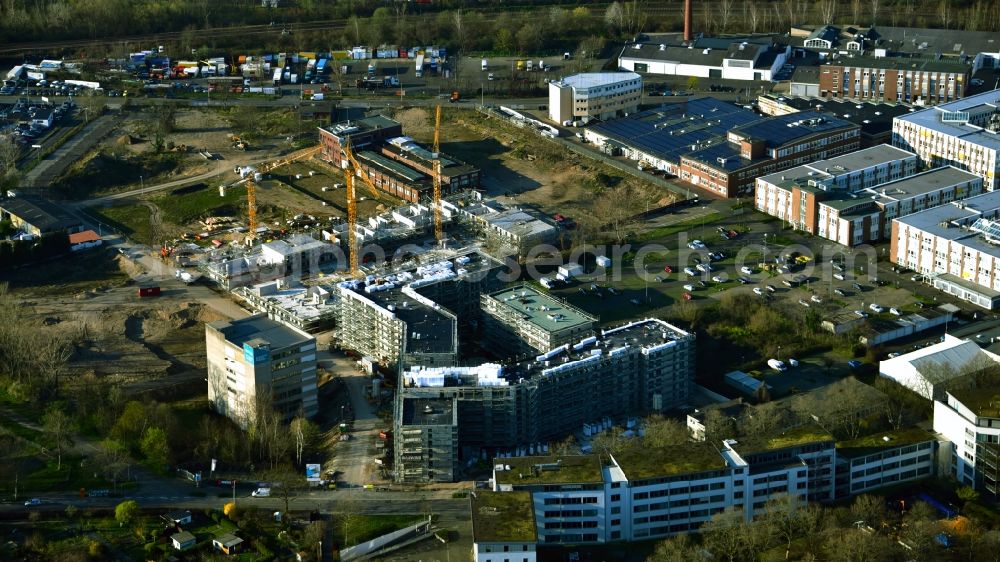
353 460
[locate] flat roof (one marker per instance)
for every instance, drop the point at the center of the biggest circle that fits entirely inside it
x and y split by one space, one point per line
262 329
874 118
518 222
642 463
428 411
931 118
586 80
780 130
887 439
838 165
355 126
948 42
503 517
794 437
567 469
913 63
671 130
672 53
922 183
545 311
984 402
946 221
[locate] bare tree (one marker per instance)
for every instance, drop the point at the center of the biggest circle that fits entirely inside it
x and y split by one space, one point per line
725 13
663 432
753 14
59 428
875 11
299 434
9 153
944 12
856 12
828 10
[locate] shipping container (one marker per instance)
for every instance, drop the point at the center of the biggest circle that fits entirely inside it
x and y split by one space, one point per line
276 78
149 291
295 79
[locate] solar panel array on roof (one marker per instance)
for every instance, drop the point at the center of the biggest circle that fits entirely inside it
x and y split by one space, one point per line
674 128
783 129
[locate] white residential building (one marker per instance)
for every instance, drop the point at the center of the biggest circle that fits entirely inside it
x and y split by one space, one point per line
970 420
255 355
955 247
649 494
924 371
594 95
963 133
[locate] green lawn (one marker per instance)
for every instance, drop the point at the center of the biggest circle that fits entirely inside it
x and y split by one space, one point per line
75 474
367 527
131 220
187 207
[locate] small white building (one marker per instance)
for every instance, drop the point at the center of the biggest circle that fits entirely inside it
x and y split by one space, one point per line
182 540
594 95
923 371
741 60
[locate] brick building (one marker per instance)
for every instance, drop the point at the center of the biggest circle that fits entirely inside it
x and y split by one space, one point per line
767 146
904 80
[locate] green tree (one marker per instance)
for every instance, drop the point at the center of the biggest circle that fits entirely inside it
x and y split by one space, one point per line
125 512
692 83
504 41
967 494
155 448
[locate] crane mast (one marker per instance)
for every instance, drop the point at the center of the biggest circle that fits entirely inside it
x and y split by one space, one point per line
438 228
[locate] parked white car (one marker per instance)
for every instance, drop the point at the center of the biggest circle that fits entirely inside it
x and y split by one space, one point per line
895 312
696 245
758 291
746 270
877 309
719 279
690 271
776 365
816 299
793 362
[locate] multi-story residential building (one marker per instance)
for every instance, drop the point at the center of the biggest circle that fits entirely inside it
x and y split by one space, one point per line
425 449
885 459
901 80
644 366
963 133
645 493
863 216
970 421
521 320
954 247
256 360
310 309
792 195
594 95
411 317
766 146
503 527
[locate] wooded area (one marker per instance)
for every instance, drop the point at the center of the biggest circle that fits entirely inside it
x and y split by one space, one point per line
527 27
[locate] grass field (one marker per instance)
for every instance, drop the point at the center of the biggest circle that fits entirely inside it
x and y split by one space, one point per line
131 220
67 275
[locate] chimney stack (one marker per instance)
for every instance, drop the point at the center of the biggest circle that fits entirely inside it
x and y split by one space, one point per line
688 34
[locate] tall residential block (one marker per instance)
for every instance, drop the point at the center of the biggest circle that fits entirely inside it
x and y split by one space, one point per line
254 356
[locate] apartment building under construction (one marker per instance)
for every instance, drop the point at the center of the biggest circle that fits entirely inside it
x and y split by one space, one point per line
522 320
642 367
412 316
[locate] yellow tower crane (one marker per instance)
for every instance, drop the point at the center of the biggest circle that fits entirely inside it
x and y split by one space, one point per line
438 228
352 170
252 188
